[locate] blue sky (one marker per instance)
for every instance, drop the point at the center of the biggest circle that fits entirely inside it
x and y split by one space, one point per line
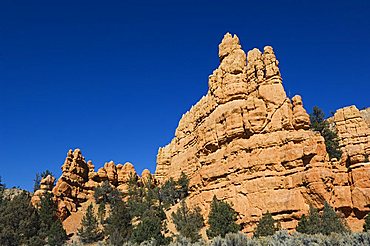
114 77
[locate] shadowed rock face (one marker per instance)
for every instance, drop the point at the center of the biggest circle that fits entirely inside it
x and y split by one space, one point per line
246 142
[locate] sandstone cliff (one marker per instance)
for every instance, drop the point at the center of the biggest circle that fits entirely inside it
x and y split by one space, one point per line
246 142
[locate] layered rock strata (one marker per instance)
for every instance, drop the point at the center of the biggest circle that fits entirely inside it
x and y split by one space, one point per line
246 142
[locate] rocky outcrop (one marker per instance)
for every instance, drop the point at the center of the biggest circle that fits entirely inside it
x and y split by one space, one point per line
79 179
46 186
365 113
353 134
246 142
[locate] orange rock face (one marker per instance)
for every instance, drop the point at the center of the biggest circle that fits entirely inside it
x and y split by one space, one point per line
76 185
46 185
246 142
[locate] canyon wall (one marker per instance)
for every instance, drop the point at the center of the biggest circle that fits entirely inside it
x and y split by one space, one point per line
246 142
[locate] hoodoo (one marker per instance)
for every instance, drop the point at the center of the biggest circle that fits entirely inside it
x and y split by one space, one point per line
246 142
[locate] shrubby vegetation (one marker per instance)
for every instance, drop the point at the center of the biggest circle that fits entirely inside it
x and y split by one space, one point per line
188 222
327 223
318 123
267 226
139 219
221 219
23 224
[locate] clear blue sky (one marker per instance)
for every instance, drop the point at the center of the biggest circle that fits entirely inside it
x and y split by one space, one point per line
114 77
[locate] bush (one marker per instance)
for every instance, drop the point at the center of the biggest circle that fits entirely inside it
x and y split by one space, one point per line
221 219
267 226
188 222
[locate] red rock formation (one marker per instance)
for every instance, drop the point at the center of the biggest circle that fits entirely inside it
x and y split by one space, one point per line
46 185
247 143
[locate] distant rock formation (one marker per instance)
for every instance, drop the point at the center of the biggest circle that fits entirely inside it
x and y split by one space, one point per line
79 179
246 142
46 186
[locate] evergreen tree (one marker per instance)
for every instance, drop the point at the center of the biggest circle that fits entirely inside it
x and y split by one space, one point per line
318 123
19 221
367 223
50 225
150 227
89 231
311 224
168 193
57 235
107 194
118 225
183 186
146 210
331 223
303 225
101 212
221 219
47 213
267 226
188 222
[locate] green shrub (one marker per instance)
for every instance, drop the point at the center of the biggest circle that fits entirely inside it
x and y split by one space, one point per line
221 219
267 226
188 222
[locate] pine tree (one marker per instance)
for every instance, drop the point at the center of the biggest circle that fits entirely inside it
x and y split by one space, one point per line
221 219
183 184
311 224
367 223
150 227
318 123
47 213
106 194
101 212
168 193
50 225
267 226
188 222
19 221
89 231
303 225
118 225
331 223
57 235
